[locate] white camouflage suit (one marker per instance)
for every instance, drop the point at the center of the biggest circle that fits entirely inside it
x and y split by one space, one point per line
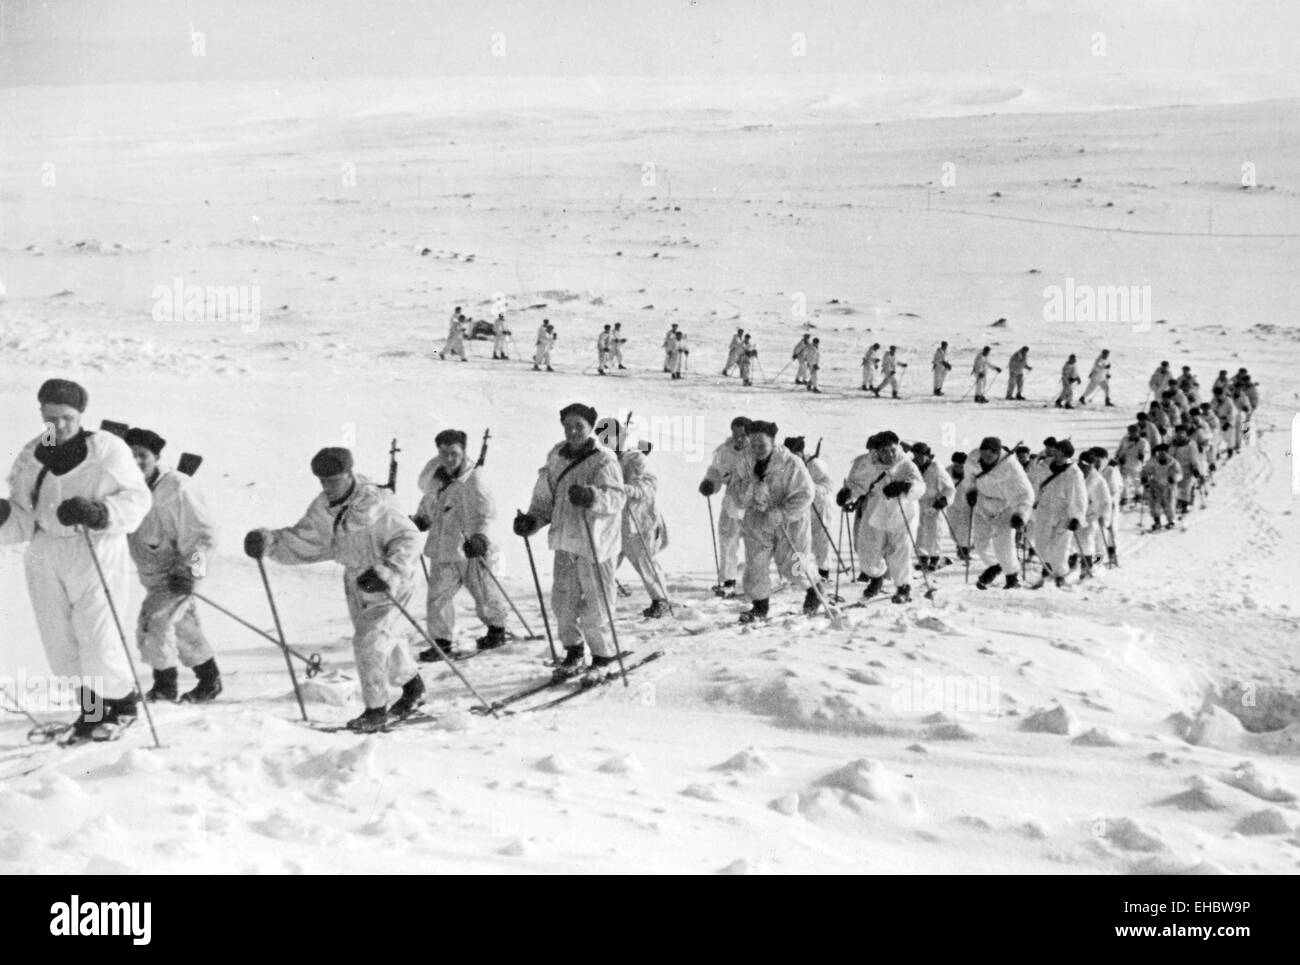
937 483
1004 491
545 340
728 462
823 499
644 533
1133 451
776 523
455 337
1092 535
72 611
578 580
800 355
1062 496
456 507
883 531
364 530
178 534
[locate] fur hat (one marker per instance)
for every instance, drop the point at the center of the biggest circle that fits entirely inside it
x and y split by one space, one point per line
882 439
991 444
63 392
584 412
331 461
758 426
451 437
795 444
145 439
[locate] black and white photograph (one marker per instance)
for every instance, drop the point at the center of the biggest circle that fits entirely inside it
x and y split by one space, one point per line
697 437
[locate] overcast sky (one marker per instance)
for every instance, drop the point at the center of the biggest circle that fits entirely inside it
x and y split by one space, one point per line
96 41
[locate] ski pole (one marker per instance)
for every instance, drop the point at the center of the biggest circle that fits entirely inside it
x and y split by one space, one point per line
825 529
907 525
112 608
779 374
646 549
279 631
442 654
717 566
424 565
541 602
604 596
1085 562
970 534
850 529
967 392
40 733
836 621
838 543
502 590
313 662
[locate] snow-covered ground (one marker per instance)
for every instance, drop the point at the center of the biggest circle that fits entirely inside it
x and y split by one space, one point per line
913 740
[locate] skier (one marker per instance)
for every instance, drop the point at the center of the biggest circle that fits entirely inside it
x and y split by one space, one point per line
70 477
869 363
748 353
1097 518
940 366
616 342
579 494
1059 510
776 494
602 350
356 523
939 491
980 369
1160 479
889 367
456 511
1099 378
958 513
1149 431
455 344
1230 421
1069 379
1000 498
1016 370
545 340
680 356
1110 472
1131 455
812 362
800 355
883 530
499 335
670 342
1160 379
644 533
172 550
734 351
1187 454
725 468
822 550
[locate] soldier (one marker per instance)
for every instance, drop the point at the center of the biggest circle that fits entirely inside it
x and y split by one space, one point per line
456 511
455 344
669 346
616 342
940 366
958 513
883 487
980 369
1000 497
1160 478
798 355
725 470
499 335
819 514
644 533
939 491
869 363
172 550
889 367
1059 510
678 356
734 351
1069 379
1132 454
1016 370
1099 378
1187 454
545 340
356 523
1230 420
776 494
579 493
1160 379
602 350
812 361
1097 519
748 353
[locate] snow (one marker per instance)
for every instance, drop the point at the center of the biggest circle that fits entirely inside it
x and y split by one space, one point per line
1144 722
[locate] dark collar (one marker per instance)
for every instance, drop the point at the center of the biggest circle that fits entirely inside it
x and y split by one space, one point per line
64 458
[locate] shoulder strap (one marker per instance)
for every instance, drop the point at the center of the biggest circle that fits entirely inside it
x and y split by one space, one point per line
555 486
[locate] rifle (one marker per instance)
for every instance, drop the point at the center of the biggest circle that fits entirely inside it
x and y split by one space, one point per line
482 453
391 485
818 451
189 462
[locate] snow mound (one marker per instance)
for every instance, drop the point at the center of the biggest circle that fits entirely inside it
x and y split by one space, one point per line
1261 783
1128 834
1206 794
1267 821
336 689
134 762
743 866
950 731
339 767
932 622
554 764
1056 720
1101 737
58 787
20 845
791 704
701 792
394 821
282 826
621 764
749 761
1215 727
1170 865
870 780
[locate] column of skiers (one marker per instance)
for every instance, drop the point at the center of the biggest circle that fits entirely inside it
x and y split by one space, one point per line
881 368
89 503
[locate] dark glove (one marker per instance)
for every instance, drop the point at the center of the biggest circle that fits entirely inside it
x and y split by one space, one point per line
1017 522
947 366
582 496
80 511
181 581
708 488
421 523
896 488
1121 460
842 497
4 511
255 543
1072 526
526 525
475 546
972 497
372 582
940 503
